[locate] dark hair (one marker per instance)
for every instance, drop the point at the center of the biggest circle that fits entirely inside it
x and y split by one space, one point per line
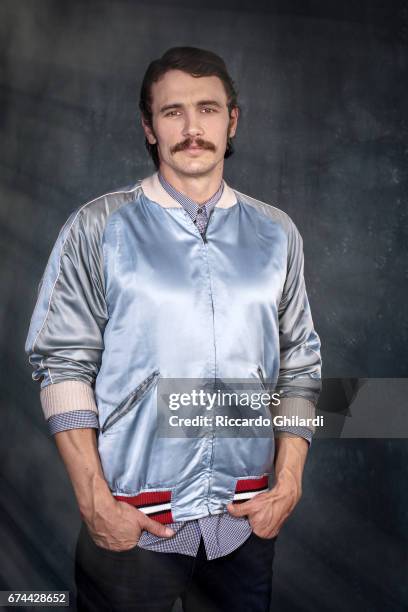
197 63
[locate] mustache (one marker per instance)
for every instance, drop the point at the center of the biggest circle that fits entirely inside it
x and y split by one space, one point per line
203 144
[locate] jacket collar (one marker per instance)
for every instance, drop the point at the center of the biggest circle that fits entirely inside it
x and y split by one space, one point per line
153 190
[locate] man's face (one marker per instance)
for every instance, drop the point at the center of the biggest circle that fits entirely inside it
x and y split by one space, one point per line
190 122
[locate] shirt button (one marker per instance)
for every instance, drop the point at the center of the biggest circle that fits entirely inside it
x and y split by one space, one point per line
200 210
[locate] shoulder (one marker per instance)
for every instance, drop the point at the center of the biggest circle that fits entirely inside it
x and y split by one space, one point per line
90 218
271 212
100 208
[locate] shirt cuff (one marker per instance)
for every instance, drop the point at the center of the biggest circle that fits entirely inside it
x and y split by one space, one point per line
302 432
76 419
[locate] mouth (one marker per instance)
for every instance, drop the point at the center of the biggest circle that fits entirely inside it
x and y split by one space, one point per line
194 148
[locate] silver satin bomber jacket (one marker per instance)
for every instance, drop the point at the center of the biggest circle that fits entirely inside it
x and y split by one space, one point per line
132 293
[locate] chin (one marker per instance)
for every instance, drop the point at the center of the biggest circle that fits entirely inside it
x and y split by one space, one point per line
198 167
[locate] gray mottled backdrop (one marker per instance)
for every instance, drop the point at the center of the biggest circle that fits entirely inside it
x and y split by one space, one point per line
323 135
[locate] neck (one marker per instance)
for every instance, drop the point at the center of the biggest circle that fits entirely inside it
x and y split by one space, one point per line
198 188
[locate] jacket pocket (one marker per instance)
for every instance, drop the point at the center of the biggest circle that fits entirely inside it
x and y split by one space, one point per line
130 401
261 376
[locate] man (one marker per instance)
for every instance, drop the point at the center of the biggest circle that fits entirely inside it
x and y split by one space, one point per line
176 277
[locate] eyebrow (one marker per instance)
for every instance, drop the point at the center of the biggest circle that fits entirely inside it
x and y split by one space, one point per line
167 107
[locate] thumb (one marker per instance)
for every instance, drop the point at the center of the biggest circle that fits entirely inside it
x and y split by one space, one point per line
156 528
239 509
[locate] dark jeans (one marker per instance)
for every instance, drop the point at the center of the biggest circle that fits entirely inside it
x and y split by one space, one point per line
146 580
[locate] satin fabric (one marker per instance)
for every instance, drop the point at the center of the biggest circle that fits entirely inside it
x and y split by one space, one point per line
132 294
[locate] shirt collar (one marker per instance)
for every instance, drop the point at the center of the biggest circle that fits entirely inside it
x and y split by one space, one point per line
188 204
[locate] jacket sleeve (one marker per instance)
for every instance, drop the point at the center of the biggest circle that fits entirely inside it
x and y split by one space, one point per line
299 381
65 337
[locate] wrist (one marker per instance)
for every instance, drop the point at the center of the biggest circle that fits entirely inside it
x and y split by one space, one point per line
98 501
287 479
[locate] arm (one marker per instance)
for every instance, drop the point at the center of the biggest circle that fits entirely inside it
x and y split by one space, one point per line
65 339
299 381
65 345
290 458
112 524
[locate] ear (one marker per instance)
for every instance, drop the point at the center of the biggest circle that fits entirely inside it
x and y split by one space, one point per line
148 131
233 122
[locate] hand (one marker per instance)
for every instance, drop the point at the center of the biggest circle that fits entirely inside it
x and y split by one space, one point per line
268 511
117 526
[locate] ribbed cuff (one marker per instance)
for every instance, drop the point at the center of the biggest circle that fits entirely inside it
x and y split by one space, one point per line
295 408
67 396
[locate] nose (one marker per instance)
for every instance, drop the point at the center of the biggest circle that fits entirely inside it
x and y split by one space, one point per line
192 125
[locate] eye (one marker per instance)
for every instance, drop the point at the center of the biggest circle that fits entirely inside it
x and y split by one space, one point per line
172 113
208 109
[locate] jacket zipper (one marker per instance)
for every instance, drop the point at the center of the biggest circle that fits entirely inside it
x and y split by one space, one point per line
205 241
204 238
130 401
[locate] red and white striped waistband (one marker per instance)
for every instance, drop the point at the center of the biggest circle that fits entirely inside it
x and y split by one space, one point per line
157 504
248 487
